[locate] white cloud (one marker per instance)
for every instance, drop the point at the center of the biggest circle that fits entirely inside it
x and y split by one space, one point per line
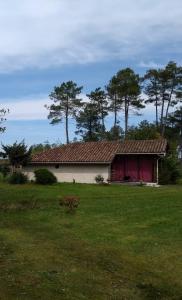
44 33
27 108
150 65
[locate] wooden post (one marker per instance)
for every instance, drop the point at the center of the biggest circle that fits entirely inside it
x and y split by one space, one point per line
157 171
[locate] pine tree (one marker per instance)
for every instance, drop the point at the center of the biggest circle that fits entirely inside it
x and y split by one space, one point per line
99 99
173 92
128 89
164 89
114 99
66 104
152 90
88 123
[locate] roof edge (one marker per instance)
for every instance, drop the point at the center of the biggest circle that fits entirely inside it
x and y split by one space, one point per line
70 162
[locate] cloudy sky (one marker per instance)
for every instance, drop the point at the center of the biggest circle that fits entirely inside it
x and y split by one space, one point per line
45 42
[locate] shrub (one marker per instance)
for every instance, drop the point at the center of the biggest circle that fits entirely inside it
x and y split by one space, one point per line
4 170
70 202
44 176
1 177
99 179
169 170
18 178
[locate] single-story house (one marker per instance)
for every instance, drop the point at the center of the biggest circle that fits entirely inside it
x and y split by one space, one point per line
128 161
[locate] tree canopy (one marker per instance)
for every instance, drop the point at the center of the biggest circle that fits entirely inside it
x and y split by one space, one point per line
164 89
122 97
98 98
18 154
3 113
88 123
66 104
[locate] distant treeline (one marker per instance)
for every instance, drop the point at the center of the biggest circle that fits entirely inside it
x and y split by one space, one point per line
123 94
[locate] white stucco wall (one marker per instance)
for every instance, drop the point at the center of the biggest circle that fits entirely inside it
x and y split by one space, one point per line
66 173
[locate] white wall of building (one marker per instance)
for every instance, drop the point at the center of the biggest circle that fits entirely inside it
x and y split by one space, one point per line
67 173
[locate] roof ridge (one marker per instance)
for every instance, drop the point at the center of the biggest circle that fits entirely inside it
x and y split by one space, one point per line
102 151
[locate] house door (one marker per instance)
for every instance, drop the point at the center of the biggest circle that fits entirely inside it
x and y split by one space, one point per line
118 169
146 170
131 169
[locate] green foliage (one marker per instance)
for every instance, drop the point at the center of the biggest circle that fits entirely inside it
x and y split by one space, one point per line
44 176
37 148
1 177
114 99
99 99
174 126
152 90
122 94
125 90
144 131
18 154
88 123
3 113
17 178
65 104
116 133
99 178
170 170
4 170
164 89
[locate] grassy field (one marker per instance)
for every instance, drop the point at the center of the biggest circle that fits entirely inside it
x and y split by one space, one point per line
122 243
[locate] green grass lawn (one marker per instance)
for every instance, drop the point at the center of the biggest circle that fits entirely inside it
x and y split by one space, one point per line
122 243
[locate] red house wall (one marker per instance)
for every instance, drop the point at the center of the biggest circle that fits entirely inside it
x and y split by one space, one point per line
133 168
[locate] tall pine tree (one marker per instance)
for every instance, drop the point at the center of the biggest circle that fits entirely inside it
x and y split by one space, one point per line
88 123
114 100
99 98
66 104
164 89
125 89
152 90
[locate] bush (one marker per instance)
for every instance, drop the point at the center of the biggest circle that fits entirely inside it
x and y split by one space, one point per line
44 176
5 170
1 177
99 179
70 202
170 170
18 178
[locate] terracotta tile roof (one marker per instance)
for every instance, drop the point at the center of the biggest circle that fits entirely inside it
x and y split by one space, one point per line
143 146
79 152
98 152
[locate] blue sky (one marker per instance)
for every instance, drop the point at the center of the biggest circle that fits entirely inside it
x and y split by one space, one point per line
44 43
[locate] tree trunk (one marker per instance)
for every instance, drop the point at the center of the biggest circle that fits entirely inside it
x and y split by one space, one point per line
162 114
66 127
126 116
103 123
115 112
167 109
90 130
156 113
